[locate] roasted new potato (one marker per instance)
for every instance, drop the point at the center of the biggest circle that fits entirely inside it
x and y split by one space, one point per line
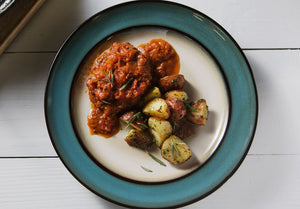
157 108
183 128
182 95
152 94
175 150
160 129
171 82
135 119
138 139
198 112
177 108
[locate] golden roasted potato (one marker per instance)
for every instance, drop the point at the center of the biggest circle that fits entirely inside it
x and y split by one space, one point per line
157 108
175 150
198 112
138 139
152 94
160 129
182 95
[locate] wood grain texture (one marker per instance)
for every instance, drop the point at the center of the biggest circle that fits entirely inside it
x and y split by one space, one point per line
22 124
15 18
253 24
31 174
277 77
23 80
267 182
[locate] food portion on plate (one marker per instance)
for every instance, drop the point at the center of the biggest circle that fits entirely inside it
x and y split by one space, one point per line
141 86
117 80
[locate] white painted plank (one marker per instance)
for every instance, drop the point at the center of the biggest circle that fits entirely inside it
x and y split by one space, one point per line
54 22
23 79
253 24
269 182
43 183
22 124
277 77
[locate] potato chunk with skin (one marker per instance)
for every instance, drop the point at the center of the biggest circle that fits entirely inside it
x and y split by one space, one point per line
160 129
157 108
137 139
183 129
175 150
198 112
134 119
171 82
152 94
177 108
182 95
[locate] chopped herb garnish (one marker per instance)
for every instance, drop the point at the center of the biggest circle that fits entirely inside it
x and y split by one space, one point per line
133 118
174 126
160 108
173 149
174 81
142 124
110 76
156 159
106 75
189 106
146 169
124 86
105 102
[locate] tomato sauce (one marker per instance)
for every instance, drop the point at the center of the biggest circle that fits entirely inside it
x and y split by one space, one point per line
163 57
120 76
117 80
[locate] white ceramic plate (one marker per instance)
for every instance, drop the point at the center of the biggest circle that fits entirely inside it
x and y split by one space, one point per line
204 80
215 69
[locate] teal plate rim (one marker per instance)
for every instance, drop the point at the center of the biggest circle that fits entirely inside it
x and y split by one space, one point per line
241 90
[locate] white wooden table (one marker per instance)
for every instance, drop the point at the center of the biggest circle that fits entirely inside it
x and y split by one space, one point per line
268 31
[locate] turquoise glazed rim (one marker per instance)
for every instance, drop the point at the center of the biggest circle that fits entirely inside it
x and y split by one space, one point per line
241 90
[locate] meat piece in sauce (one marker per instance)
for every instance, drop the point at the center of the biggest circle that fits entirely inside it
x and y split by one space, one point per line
102 120
117 80
163 57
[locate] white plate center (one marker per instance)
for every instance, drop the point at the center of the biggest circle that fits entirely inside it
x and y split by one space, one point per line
204 80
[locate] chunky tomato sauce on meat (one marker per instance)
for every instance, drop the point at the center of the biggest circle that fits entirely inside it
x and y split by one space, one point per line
120 76
163 57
